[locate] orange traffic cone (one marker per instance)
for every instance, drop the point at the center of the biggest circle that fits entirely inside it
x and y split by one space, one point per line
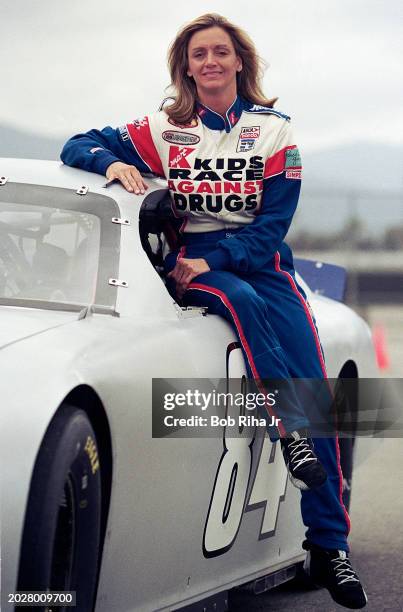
381 352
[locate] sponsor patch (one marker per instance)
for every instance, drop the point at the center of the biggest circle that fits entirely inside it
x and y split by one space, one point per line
180 138
293 174
178 155
258 108
247 138
124 133
250 132
292 159
183 126
245 145
139 123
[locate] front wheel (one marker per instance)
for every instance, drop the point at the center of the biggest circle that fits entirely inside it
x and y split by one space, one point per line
62 529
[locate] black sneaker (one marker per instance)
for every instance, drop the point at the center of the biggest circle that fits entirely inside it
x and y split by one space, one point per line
332 569
304 468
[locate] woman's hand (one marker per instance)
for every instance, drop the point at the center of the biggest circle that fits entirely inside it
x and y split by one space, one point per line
185 271
129 176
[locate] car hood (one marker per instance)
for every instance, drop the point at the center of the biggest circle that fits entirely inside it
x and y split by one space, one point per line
17 323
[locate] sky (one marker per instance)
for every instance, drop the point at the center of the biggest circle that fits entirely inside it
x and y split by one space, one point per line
71 65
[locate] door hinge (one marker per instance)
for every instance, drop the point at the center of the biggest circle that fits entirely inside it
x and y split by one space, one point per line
117 282
120 221
82 190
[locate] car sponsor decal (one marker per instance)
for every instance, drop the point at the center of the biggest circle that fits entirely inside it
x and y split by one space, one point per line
247 138
180 138
92 452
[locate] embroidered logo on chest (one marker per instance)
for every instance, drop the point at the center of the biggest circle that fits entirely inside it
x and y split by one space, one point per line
178 155
247 138
180 138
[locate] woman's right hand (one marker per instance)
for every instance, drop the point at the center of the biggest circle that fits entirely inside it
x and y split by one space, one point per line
129 176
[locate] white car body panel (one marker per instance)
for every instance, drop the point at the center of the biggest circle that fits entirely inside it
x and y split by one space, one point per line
161 491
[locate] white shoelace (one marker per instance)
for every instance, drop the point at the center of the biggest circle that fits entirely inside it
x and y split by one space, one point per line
300 447
344 571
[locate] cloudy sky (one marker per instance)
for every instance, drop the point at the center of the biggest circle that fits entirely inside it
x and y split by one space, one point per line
69 65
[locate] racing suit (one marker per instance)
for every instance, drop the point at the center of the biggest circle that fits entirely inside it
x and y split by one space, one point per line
235 182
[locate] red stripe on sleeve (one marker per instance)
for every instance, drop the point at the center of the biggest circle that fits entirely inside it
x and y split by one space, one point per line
276 163
140 135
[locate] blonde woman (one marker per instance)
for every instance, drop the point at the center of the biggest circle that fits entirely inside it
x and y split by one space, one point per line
234 173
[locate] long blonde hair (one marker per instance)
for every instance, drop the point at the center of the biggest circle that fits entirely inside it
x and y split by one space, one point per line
249 79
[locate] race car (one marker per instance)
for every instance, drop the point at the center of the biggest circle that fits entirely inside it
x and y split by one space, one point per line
92 501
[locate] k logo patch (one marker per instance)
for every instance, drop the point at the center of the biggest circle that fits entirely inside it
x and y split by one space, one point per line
178 155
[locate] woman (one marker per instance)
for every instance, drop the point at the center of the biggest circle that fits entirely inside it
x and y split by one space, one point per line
234 174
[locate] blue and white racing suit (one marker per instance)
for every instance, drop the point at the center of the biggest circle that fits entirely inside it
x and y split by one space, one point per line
235 183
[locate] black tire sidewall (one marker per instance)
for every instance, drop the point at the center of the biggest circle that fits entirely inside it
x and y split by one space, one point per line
69 448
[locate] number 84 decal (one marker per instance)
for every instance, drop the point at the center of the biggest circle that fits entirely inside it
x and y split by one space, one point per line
232 493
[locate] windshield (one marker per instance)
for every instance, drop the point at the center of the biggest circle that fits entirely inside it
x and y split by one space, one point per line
57 247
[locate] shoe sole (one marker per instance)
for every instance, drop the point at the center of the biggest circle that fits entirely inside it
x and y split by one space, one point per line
300 484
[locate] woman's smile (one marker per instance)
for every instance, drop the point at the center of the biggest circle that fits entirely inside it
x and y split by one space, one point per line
212 63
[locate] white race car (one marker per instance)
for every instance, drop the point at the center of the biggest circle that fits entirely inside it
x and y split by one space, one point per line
91 502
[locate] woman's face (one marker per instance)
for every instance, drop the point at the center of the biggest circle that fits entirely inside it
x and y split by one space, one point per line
212 61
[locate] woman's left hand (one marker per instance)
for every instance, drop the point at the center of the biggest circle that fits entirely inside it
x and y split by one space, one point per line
185 271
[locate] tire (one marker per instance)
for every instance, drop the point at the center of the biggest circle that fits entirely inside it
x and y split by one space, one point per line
346 407
62 529
346 446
